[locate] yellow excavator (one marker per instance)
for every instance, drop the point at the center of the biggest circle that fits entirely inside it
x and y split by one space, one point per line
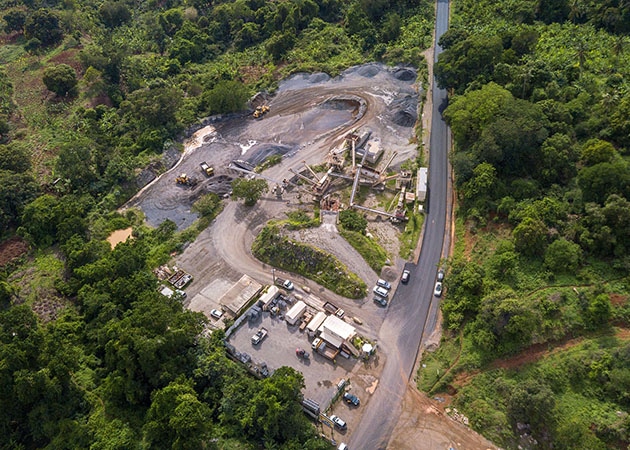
260 111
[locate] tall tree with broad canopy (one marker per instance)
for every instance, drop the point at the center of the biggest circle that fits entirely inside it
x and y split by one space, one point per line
249 190
60 79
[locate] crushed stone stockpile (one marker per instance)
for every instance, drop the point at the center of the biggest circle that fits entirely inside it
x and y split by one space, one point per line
309 114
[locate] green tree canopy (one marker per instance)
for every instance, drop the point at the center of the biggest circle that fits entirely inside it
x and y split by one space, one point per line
16 190
470 113
14 157
207 205
43 25
60 79
114 13
557 160
473 58
532 402
596 151
14 21
75 162
352 220
225 97
563 256
177 419
530 237
249 190
601 180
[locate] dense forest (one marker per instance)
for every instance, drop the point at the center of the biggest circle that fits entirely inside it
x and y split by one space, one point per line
91 355
536 350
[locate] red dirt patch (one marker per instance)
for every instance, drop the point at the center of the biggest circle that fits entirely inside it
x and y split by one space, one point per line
533 354
70 58
12 249
463 378
618 299
623 334
101 99
10 38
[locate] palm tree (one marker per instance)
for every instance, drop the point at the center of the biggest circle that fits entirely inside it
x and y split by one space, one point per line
577 11
619 47
581 51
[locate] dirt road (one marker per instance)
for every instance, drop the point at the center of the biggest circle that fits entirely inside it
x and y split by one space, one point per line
423 424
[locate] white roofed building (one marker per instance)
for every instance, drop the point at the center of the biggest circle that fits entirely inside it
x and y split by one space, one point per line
336 332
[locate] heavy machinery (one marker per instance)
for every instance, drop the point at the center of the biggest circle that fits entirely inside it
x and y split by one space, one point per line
185 180
260 111
206 169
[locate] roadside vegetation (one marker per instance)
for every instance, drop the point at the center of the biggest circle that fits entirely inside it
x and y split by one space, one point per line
271 247
299 219
410 236
353 230
92 93
536 308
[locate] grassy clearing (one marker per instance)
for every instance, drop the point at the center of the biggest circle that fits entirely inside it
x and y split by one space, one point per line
38 276
435 365
369 249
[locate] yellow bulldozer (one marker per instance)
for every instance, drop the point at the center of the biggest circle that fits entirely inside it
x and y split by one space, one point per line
260 111
185 180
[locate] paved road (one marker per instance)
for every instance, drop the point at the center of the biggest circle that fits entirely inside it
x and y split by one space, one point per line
414 309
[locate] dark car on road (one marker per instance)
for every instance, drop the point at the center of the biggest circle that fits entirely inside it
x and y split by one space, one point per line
351 399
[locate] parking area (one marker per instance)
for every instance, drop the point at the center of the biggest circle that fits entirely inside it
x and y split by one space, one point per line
278 349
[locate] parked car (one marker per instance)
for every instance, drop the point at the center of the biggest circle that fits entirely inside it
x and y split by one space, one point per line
351 399
379 290
440 275
405 276
380 301
216 313
301 353
339 423
382 283
343 446
438 289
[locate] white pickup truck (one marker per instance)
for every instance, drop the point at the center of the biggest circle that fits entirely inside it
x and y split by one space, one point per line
287 284
259 336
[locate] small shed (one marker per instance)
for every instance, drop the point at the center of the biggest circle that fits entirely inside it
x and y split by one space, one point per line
316 322
295 313
267 297
167 292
